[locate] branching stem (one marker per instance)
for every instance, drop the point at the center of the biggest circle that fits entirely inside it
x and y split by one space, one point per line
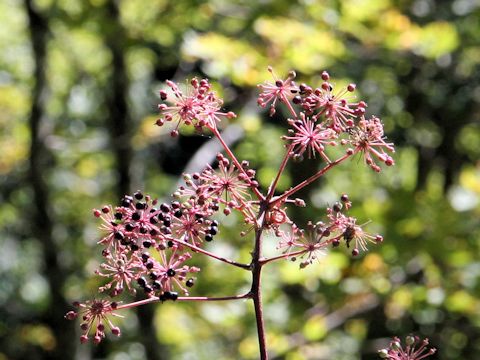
289 106
256 289
212 255
154 299
271 191
308 181
283 256
232 156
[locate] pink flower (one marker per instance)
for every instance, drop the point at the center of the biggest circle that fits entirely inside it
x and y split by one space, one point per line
168 272
280 90
317 237
198 106
313 242
410 352
338 111
368 138
95 317
310 137
190 222
347 228
289 240
122 269
141 225
147 245
226 185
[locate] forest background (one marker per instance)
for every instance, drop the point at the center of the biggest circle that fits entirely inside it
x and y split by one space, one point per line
79 85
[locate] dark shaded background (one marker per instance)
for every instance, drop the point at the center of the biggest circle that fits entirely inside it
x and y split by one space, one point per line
78 85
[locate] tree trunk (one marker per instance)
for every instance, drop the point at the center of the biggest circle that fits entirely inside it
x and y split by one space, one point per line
42 224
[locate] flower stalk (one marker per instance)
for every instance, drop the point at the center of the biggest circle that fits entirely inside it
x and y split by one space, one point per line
149 247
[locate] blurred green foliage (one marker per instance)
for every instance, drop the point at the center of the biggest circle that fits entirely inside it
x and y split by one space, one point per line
416 63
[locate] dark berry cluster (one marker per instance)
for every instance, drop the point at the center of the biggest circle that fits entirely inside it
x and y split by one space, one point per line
141 225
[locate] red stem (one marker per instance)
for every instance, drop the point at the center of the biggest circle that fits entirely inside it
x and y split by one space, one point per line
283 256
221 298
212 255
138 303
308 181
256 290
184 298
289 106
271 191
229 152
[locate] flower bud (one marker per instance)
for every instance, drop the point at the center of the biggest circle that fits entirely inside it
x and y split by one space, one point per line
300 202
383 353
84 339
97 339
116 331
71 315
410 340
396 345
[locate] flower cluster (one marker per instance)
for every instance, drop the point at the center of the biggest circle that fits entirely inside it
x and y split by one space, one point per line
226 185
367 138
139 226
309 244
94 315
414 349
327 118
198 106
280 90
147 245
311 137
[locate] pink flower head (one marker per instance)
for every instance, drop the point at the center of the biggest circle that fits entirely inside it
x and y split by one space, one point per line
198 106
336 107
109 225
368 138
140 225
191 223
121 268
168 272
95 318
414 349
347 229
289 240
137 219
313 242
163 272
279 90
310 137
225 185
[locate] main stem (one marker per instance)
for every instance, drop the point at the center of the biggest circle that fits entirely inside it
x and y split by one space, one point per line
256 290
